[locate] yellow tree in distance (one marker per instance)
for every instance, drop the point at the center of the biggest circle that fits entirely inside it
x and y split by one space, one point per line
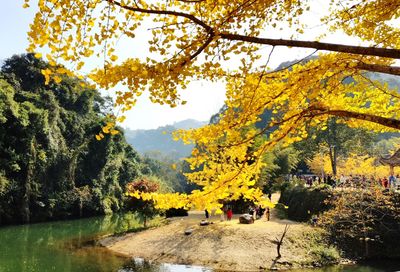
219 40
354 164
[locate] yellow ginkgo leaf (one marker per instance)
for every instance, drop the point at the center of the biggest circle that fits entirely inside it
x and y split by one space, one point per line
121 119
106 129
57 79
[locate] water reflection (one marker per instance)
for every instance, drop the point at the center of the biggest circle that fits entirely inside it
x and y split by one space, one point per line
68 246
140 265
62 246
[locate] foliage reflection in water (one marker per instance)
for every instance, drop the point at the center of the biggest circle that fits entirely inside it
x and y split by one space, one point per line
68 246
63 245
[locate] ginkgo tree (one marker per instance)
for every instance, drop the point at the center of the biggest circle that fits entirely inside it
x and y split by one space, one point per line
219 40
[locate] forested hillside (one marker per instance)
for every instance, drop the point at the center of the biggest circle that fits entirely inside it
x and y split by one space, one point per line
154 141
51 165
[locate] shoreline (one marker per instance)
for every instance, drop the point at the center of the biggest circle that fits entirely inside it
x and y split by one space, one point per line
225 245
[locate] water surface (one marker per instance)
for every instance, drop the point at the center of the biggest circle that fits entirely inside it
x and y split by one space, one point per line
68 246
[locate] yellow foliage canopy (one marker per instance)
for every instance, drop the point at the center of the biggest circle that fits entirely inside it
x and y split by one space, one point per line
356 165
225 40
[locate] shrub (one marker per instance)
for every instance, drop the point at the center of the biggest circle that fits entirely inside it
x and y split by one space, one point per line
144 208
325 255
365 222
304 202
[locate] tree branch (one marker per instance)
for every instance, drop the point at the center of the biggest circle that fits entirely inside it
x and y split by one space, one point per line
351 49
201 48
392 70
193 18
385 121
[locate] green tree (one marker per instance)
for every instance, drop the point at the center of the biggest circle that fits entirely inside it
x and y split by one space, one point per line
337 139
51 165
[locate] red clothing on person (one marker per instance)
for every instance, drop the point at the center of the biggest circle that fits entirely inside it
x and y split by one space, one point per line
385 182
229 214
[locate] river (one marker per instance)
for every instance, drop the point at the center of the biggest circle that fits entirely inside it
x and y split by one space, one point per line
68 246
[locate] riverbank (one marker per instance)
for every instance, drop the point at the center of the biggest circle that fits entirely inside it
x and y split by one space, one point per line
227 245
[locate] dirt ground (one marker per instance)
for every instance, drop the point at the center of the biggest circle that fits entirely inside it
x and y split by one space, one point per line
225 245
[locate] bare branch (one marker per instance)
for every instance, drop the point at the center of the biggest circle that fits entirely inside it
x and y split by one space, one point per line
351 49
193 18
279 242
201 48
385 121
392 70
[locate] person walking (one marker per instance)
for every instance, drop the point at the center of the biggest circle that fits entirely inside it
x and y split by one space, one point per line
267 213
229 214
392 181
385 183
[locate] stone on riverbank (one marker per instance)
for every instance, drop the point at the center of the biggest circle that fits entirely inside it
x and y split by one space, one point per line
246 219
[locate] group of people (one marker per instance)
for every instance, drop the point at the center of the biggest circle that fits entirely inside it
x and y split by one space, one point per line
313 180
256 211
390 183
360 181
227 213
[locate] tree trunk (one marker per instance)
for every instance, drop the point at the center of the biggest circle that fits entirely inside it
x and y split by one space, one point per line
74 162
25 203
80 206
335 161
391 170
333 155
333 158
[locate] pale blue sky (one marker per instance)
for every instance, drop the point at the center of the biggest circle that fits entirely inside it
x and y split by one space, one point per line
14 23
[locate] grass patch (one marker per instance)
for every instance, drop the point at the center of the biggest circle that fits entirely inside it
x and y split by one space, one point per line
325 255
314 242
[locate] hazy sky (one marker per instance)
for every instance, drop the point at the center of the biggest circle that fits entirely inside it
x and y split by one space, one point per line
204 98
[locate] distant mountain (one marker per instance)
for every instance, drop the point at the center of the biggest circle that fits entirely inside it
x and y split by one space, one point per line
189 123
159 141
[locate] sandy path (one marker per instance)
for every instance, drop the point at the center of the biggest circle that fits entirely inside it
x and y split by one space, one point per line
222 245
